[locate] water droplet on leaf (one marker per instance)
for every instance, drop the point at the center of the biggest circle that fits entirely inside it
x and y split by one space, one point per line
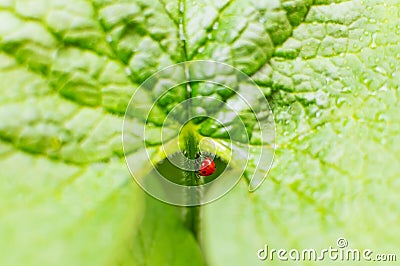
215 26
128 71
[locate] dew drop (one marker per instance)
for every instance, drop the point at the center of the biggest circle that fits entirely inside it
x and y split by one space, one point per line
215 26
373 43
340 101
383 88
182 36
380 70
383 118
321 99
346 90
328 80
109 38
367 81
128 71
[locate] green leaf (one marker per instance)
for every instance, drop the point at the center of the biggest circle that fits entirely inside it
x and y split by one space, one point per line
334 92
162 239
53 212
69 68
67 197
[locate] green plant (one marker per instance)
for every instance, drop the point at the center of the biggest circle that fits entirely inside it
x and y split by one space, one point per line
67 68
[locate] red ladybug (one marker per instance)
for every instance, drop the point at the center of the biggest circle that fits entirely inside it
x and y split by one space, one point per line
207 167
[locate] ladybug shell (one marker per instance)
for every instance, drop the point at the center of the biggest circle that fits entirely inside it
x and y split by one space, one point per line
207 167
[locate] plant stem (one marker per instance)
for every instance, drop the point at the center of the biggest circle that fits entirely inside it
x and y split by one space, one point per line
192 221
192 217
192 214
